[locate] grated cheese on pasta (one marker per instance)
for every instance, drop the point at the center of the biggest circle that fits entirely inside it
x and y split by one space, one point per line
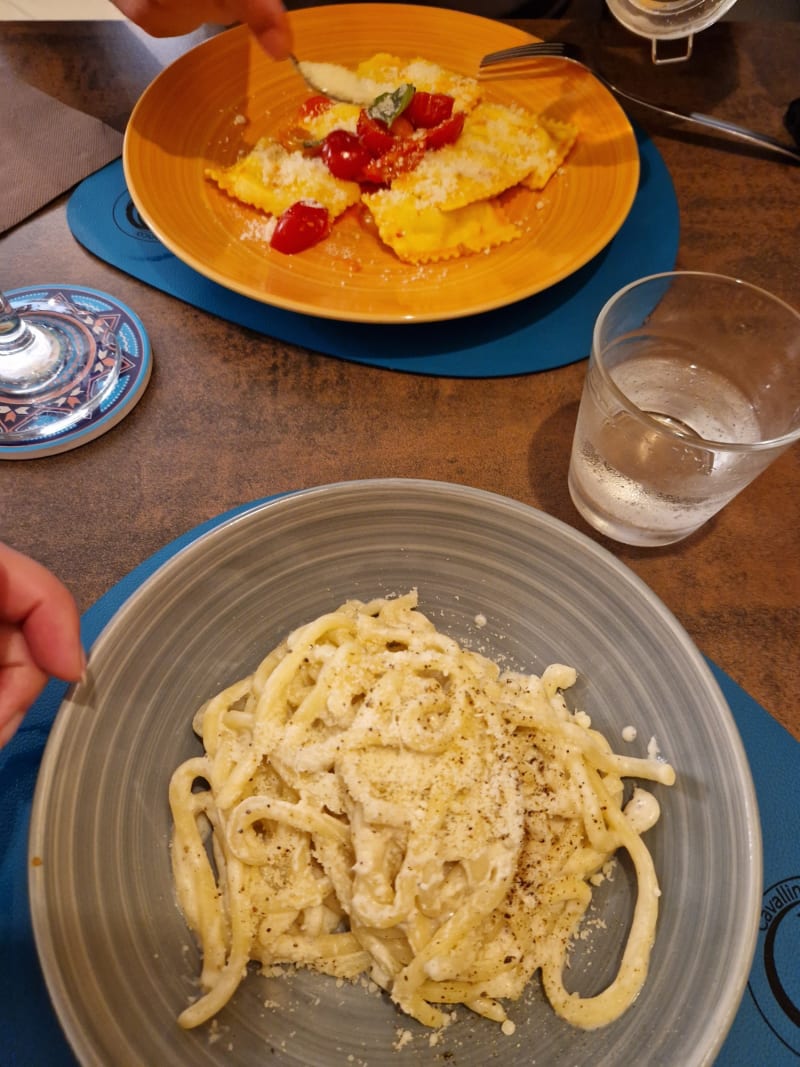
385 803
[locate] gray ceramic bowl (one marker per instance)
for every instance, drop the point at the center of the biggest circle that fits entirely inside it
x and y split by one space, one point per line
116 954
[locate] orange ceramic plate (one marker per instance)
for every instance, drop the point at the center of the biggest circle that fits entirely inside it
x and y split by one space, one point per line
215 101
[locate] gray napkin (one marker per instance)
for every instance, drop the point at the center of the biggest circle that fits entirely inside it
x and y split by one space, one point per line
46 147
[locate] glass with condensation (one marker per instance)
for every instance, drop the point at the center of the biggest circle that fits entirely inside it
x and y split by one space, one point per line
691 391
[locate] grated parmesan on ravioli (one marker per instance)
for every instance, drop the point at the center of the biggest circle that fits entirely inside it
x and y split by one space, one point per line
338 116
272 179
499 147
447 205
425 76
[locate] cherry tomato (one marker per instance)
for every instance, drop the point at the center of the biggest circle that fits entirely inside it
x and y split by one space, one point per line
446 132
429 109
299 227
401 127
404 155
315 105
344 155
373 134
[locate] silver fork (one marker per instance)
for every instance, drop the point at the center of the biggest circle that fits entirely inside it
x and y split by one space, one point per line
570 52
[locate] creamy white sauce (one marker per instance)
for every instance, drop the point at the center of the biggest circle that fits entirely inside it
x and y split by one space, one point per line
642 810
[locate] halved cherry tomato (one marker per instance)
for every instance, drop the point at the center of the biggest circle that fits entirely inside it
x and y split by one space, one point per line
299 227
401 127
315 105
404 155
446 132
429 109
373 134
344 155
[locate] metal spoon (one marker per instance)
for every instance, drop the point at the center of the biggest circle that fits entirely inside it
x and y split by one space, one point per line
337 83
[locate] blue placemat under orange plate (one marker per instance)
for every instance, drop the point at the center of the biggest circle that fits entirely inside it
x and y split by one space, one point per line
548 330
766 1030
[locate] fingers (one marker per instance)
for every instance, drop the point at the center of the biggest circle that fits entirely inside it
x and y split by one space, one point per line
268 22
21 680
39 636
173 18
170 18
8 730
35 602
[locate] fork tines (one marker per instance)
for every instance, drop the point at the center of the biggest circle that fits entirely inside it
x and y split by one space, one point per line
523 51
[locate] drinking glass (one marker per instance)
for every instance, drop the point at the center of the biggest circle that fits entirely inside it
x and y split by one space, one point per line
692 390
58 363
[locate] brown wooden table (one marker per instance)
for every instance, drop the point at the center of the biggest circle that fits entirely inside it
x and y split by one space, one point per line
286 418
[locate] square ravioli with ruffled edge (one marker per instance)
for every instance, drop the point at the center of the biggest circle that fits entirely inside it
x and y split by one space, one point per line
499 147
421 233
272 179
448 203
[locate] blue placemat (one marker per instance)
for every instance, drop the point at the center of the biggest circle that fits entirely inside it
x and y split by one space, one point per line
766 1030
548 330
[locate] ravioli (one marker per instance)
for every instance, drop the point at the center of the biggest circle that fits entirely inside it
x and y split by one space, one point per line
449 204
424 76
562 136
271 178
338 116
420 233
387 72
499 147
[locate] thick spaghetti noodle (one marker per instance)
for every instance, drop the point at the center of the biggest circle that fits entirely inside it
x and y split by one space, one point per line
381 800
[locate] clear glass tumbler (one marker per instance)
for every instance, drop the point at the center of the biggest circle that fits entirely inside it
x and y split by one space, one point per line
692 390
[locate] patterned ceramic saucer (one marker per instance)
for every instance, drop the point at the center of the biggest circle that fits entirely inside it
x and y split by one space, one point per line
116 332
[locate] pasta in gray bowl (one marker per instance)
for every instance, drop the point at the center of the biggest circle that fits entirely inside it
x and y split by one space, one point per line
504 580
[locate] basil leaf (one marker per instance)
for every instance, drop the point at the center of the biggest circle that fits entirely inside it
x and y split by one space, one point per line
388 106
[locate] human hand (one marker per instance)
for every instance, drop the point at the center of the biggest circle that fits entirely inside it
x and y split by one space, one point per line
170 18
39 636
